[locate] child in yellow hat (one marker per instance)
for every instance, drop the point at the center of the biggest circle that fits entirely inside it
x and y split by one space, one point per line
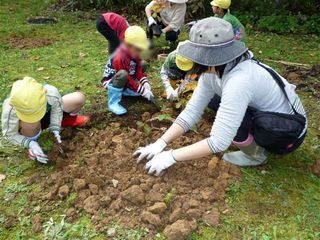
176 68
221 9
124 74
33 107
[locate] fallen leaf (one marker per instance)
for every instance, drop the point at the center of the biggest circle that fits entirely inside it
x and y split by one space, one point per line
46 78
40 69
2 177
82 55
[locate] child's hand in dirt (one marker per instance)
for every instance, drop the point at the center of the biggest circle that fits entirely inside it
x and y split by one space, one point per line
57 136
147 94
36 153
150 151
171 93
160 162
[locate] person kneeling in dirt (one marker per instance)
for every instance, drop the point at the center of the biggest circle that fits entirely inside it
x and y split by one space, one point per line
112 26
257 109
176 72
165 17
124 73
33 107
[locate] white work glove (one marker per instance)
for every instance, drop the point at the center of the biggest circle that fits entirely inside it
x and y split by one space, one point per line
36 153
160 162
147 86
171 93
150 151
151 21
163 32
190 24
147 94
57 136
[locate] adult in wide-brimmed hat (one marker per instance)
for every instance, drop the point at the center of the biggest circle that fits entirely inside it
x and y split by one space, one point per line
165 17
257 109
33 107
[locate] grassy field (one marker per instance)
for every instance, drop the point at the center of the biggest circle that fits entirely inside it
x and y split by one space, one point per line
279 201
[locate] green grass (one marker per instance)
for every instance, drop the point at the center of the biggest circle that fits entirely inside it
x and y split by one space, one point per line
279 201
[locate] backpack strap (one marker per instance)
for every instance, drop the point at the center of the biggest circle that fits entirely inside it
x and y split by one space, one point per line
278 80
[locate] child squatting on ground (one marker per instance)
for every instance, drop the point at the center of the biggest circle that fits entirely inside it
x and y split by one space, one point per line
124 74
112 26
221 9
33 107
175 68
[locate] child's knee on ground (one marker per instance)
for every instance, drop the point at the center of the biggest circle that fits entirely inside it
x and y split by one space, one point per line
120 79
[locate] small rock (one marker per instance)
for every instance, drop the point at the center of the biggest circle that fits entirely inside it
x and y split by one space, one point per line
79 184
179 230
92 204
63 191
134 194
212 219
158 208
151 218
115 183
111 232
193 203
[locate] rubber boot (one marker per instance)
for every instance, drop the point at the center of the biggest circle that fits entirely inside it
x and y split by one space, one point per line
114 99
75 121
251 155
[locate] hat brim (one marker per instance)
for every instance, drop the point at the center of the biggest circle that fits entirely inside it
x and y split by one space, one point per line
183 66
177 1
212 55
32 118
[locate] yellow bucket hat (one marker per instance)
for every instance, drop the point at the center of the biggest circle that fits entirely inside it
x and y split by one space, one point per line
28 98
136 37
183 63
224 4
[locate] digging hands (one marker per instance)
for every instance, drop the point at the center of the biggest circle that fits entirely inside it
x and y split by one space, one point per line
150 151
151 21
36 153
171 93
147 94
160 162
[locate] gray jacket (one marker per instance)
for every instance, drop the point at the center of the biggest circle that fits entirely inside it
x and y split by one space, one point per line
10 121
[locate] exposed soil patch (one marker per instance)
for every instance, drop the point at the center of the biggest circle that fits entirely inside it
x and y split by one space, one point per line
316 168
112 187
28 43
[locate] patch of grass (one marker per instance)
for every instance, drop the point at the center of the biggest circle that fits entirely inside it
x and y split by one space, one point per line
168 199
14 188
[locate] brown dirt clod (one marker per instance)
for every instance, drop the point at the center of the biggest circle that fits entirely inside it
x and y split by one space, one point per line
179 230
37 223
158 208
79 184
134 194
212 218
92 204
151 218
63 191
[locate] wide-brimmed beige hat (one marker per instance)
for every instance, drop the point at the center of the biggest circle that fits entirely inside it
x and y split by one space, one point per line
178 1
211 43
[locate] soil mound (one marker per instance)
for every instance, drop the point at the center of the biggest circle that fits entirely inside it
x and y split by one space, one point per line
112 187
28 43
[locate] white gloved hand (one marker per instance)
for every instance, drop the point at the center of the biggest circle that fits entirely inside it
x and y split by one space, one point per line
36 153
147 94
163 31
151 21
160 162
57 136
150 151
147 86
171 93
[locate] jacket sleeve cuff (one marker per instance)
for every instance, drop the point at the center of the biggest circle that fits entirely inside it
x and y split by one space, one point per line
143 80
182 123
55 128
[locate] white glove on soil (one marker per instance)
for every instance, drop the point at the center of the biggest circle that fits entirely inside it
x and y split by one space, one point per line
36 153
150 151
147 86
151 21
171 93
57 136
147 94
160 162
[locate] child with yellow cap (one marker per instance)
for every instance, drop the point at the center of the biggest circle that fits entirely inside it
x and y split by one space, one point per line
33 107
221 9
175 68
124 74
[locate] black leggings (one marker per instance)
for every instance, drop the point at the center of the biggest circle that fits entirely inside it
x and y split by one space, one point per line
108 33
246 125
171 36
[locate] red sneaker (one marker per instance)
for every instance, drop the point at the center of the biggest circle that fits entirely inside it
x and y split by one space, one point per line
75 121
